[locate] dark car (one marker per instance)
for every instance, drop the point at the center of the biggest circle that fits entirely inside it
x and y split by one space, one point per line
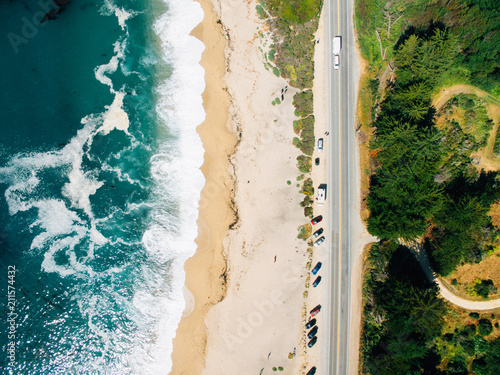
316 282
312 371
310 323
312 332
318 232
320 241
316 310
316 220
312 342
316 161
316 268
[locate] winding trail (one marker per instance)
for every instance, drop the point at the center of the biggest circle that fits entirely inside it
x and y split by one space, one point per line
448 295
488 160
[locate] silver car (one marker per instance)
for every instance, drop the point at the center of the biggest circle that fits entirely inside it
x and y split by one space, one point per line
320 144
320 241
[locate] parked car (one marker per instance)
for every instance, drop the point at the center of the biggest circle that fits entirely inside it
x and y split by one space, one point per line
316 310
316 268
312 371
312 332
320 144
317 233
320 241
312 342
316 220
316 161
311 323
316 282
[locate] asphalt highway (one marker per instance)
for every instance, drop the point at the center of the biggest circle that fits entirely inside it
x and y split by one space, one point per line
341 164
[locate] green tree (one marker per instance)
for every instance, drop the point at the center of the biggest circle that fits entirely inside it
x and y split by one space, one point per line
485 327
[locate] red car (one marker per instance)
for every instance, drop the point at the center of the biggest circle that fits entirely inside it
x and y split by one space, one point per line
316 220
315 310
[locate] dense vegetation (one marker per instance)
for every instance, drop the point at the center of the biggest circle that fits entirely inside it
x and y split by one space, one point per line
293 24
475 24
423 183
408 329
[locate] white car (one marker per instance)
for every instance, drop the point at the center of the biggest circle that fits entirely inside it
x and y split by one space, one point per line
336 62
320 144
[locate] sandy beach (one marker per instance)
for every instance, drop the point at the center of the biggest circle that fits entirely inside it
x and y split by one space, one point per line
256 268
260 321
205 271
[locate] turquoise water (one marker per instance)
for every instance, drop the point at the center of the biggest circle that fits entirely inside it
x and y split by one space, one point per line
99 182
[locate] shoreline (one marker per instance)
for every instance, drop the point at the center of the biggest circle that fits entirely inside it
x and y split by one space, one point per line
205 280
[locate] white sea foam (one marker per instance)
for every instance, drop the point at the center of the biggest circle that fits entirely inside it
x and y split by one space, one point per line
115 117
158 301
176 172
60 225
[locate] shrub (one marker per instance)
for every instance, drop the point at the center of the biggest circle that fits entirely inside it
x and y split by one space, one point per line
304 163
260 11
305 231
308 212
480 367
474 315
468 347
307 187
468 331
480 345
485 327
457 366
484 288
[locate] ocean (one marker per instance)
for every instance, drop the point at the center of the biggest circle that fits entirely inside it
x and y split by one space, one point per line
100 182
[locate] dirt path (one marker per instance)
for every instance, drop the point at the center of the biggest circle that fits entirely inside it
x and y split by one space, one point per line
448 295
489 161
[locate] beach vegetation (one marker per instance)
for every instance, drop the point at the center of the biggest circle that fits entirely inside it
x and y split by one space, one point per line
303 103
307 187
292 24
306 142
308 212
261 12
305 231
307 201
289 182
271 53
304 163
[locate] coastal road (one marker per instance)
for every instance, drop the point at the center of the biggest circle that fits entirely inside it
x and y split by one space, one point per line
341 176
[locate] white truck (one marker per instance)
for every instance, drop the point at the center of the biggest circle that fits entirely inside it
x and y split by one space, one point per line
321 197
337 45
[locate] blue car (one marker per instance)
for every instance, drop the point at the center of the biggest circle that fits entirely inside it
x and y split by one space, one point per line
316 282
316 268
312 371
